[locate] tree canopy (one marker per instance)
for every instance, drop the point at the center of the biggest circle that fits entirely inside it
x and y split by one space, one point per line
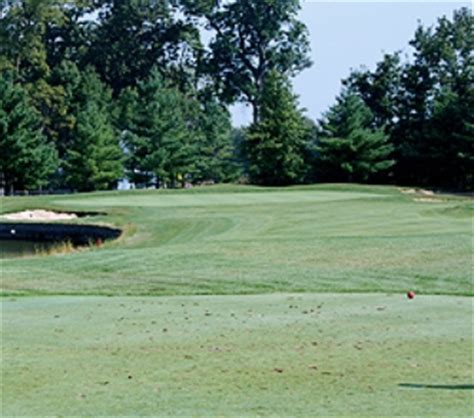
92 91
426 103
250 39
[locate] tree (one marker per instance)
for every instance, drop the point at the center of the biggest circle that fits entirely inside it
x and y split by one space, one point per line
156 134
71 39
348 148
216 157
89 144
23 28
276 146
93 160
252 38
379 89
450 150
27 158
135 36
445 53
426 103
26 29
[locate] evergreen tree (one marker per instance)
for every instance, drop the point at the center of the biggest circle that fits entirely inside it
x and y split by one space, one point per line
94 159
348 149
68 80
216 154
276 146
89 145
156 133
27 158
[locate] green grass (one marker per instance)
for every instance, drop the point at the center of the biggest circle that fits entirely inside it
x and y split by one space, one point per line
243 301
271 355
240 241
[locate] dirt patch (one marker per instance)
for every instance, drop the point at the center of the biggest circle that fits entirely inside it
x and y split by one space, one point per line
39 215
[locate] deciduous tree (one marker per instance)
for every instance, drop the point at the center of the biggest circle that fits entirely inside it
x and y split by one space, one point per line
252 38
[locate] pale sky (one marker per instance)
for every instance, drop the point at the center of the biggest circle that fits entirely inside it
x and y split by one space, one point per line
346 35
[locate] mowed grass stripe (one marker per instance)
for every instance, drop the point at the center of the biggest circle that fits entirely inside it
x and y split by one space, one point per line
384 244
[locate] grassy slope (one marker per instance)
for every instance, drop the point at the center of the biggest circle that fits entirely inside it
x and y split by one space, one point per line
237 240
270 355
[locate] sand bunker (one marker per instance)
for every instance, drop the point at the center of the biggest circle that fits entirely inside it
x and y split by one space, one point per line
39 215
408 191
417 191
428 200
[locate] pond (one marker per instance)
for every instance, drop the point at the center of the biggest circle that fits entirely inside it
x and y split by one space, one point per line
28 239
20 248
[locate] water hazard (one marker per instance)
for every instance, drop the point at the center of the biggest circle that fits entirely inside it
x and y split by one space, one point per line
28 239
17 248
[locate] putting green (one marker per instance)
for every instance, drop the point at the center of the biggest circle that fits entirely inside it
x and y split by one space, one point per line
272 355
219 199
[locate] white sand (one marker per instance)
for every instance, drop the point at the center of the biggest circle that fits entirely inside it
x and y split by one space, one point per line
428 200
416 191
39 215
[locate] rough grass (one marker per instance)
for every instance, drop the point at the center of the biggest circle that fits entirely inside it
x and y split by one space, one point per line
270 355
237 240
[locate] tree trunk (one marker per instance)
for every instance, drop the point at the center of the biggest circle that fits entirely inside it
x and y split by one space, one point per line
256 111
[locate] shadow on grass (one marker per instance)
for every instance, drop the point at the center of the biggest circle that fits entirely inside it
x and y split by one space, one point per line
446 387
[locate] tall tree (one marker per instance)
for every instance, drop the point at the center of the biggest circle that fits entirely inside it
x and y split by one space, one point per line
24 29
251 38
348 148
71 38
156 134
93 161
426 103
89 143
445 53
135 36
380 89
277 145
216 154
27 158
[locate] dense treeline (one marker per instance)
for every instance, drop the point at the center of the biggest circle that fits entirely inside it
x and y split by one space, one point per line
426 105
94 91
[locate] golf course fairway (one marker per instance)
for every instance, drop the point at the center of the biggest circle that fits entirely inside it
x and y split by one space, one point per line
245 301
